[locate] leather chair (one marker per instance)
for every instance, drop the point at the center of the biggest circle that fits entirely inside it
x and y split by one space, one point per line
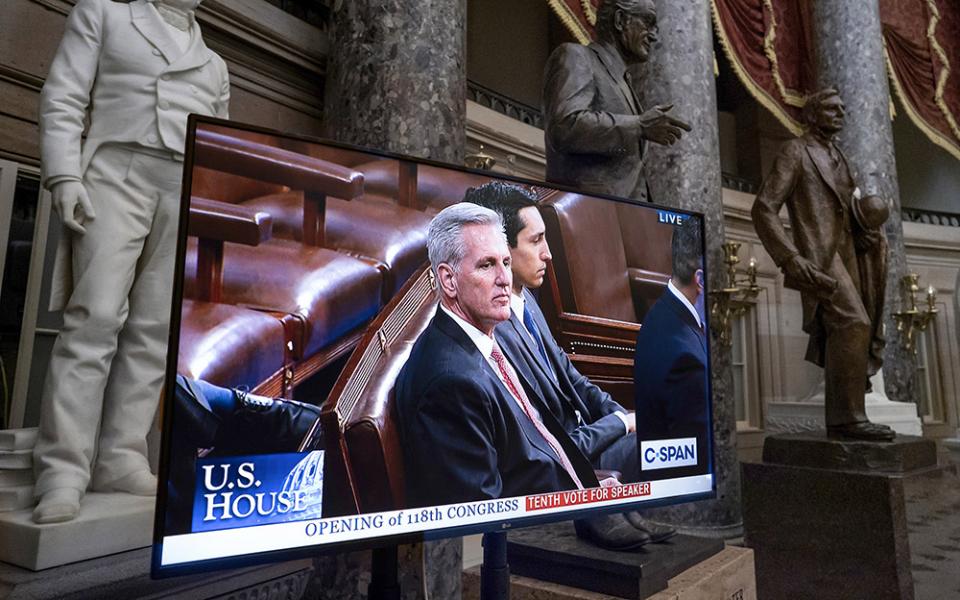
586 296
322 297
346 220
424 187
364 460
364 470
221 343
646 245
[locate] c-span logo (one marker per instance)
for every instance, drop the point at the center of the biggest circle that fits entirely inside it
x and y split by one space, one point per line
668 454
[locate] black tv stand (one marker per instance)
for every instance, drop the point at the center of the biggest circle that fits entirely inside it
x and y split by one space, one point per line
494 573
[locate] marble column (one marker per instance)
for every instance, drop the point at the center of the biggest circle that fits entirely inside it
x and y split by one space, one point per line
687 175
396 80
849 48
396 76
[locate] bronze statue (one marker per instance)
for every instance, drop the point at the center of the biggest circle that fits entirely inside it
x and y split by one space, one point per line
836 258
595 128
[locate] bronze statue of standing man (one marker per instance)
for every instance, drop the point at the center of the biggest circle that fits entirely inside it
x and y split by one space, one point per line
836 258
595 128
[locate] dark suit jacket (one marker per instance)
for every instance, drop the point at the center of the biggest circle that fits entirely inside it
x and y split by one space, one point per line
464 436
584 410
670 375
592 124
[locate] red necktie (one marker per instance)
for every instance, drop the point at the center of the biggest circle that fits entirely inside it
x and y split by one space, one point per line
513 384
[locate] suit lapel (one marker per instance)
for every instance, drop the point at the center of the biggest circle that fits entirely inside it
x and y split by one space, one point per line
452 329
519 330
197 54
821 160
146 20
603 55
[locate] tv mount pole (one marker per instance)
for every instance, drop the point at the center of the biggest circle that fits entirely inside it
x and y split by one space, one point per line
494 573
384 583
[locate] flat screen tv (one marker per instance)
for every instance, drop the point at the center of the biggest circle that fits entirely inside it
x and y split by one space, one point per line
293 421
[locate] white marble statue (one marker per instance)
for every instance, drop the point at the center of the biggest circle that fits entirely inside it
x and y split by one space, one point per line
136 69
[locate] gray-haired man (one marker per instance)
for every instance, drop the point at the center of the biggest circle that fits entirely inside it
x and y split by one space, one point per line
466 421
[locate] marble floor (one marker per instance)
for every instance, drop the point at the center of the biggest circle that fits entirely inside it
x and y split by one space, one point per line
933 522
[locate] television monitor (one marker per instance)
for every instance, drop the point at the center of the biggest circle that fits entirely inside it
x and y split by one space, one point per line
302 286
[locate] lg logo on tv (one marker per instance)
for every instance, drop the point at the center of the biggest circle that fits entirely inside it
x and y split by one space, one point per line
668 454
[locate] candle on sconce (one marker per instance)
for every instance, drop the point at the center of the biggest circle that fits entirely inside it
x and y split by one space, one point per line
931 296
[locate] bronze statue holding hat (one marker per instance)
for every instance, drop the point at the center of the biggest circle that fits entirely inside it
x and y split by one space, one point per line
836 257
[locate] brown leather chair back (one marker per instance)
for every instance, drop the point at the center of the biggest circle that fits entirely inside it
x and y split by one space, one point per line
588 257
364 460
646 243
435 188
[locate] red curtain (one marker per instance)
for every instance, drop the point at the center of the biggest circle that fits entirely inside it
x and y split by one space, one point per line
579 16
922 40
770 47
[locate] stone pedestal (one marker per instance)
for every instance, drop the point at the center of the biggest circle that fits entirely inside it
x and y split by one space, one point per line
555 553
107 524
127 575
827 518
729 574
953 448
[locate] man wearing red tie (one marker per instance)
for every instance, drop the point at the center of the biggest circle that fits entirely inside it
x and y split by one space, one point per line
467 421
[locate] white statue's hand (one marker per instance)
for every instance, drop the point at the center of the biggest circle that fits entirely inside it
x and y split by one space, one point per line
72 203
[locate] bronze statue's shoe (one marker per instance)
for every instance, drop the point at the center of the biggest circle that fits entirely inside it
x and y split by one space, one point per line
57 505
863 431
139 483
657 533
611 532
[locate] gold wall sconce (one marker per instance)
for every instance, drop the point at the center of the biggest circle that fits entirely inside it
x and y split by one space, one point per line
481 160
734 299
913 320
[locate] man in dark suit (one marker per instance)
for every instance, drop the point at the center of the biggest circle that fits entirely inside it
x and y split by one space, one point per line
469 427
670 367
600 427
836 262
595 128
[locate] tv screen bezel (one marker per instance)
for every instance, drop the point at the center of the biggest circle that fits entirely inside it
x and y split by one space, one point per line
261 557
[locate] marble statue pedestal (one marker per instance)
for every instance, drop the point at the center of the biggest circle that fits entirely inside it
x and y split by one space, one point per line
728 574
554 553
107 524
827 518
808 414
953 448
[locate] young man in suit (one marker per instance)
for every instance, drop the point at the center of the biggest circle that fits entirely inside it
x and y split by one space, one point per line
602 429
670 368
136 69
470 428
